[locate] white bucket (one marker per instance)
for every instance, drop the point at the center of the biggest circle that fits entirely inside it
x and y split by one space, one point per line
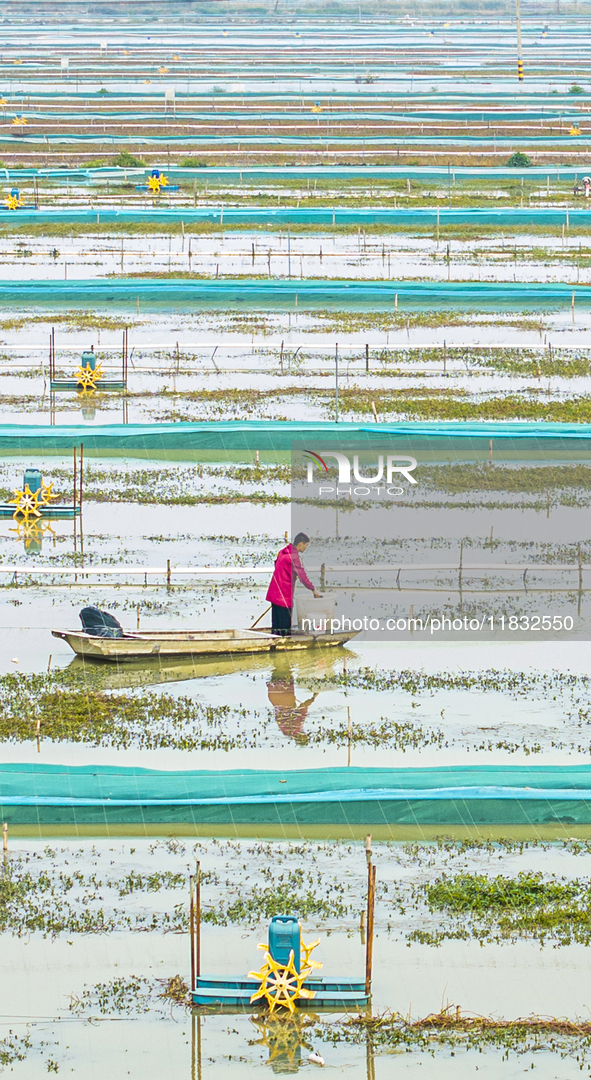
319 611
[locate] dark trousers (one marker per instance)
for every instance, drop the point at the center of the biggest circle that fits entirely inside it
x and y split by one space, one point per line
281 620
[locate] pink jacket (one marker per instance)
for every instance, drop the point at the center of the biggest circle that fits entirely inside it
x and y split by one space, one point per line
288 567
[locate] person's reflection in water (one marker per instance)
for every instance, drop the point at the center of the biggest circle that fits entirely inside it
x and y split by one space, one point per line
289 713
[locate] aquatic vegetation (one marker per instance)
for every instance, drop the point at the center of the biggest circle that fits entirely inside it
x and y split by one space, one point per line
14 1048
61 706
453 1031
306 895
130 995
500 908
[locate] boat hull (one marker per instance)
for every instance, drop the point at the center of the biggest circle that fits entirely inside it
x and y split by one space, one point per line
152 645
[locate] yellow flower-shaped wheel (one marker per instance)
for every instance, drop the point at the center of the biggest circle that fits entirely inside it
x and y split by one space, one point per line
575 130
12 202
19 121
46 493
163 181
27 503
154 184
163 71
281 984
87 378
307 950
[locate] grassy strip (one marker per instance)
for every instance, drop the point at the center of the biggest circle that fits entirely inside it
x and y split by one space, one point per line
515 683
470 231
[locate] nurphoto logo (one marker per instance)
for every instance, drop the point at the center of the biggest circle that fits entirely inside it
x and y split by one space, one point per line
388 467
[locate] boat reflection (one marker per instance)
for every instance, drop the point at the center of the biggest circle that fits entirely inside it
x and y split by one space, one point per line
279 669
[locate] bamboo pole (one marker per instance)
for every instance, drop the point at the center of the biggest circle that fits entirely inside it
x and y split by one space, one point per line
75 482
371 887
519 46
192 927
198 921
81 472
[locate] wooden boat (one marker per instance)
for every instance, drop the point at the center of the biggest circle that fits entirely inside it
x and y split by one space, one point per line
152 644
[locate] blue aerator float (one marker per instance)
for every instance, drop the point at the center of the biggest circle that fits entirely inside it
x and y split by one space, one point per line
288 979
156 183
89 375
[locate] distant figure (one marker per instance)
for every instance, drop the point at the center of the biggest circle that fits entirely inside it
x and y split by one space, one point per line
289 713
288 568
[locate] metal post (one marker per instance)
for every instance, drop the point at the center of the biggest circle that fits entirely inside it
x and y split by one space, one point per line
192 928
519 49
336 372
198 921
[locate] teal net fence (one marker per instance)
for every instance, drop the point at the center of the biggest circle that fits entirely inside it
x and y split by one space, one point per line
265 218
457 795
284 294
252 435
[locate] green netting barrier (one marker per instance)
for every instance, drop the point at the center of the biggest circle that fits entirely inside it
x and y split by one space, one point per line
236 173
261 217
251 435
454 795
325 140
566 115
284 294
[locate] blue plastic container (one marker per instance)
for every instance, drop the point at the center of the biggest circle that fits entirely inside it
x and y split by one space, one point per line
88 359
32 477
284 936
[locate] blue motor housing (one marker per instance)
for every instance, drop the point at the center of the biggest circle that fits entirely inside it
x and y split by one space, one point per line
32 477
284 937
88 359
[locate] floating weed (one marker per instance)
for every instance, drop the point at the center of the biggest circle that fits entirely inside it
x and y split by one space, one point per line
14 1048
452 1030
129 996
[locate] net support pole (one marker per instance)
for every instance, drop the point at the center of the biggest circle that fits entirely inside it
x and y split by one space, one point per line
336 387
371 896
519 47
198 921
192 928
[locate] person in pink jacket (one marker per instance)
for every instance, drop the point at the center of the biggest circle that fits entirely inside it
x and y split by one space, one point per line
288 568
